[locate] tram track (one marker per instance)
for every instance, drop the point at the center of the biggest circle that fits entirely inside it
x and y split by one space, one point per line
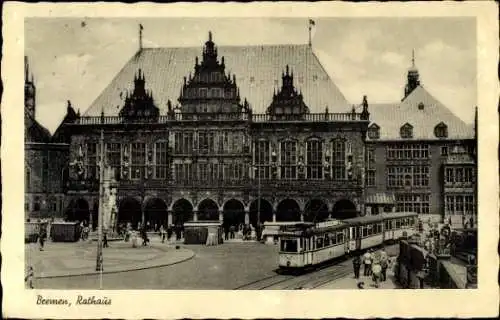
264 283
311 280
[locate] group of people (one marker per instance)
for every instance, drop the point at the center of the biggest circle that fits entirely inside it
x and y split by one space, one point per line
244 231
128 233
375 265
84 230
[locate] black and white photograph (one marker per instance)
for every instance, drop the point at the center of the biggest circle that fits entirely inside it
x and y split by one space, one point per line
278 153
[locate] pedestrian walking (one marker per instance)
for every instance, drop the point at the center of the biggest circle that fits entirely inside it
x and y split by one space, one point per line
162 234
356 264
42 235
169 232
231 231
367 260
376 274
105 239
82 231
384 264
145 239
29 277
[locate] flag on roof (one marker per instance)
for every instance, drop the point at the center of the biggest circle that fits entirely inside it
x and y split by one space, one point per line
311 22
140 26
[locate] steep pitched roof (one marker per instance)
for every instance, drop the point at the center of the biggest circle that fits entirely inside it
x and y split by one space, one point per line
61 133
34 131
258 71
391 117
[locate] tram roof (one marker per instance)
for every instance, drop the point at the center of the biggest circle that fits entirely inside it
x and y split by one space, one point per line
381 217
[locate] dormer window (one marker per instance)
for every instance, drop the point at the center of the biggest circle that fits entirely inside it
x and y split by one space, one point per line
374 131
421 106
441 130
406 131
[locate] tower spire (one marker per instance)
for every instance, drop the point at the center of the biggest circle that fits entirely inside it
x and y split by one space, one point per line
413 77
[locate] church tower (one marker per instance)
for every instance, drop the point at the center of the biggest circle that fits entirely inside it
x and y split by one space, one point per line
413 77
29 90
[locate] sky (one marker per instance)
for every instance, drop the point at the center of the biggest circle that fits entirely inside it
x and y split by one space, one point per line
76 58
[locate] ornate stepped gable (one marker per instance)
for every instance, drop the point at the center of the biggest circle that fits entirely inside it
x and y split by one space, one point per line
287 104
210 90
140 105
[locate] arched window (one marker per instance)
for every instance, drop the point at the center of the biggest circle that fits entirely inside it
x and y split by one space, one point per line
374 131
441 130
314 157
406 131
261 156
288 159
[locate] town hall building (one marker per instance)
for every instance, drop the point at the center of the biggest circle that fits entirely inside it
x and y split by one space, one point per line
185 143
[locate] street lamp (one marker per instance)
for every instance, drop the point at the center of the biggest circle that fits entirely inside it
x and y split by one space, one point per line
99 259
256 168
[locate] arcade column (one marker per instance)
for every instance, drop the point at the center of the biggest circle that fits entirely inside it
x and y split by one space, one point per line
221 216
247 216
195 215
169 218
91 213
301 217
274 216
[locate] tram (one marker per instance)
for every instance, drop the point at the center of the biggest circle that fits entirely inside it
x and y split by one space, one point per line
305 244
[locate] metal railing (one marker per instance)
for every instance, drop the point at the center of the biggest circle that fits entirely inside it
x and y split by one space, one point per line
240 116
308 117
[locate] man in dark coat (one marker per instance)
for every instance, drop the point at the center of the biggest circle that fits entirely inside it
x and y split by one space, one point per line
356 264
105 239
42 235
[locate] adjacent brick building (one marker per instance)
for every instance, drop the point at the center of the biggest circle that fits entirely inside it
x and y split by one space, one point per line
45 161
412 162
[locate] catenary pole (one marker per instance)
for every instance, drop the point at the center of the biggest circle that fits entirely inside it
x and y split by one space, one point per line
99 262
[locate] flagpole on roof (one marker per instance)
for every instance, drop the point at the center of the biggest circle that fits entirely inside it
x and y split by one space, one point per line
311 24
140 36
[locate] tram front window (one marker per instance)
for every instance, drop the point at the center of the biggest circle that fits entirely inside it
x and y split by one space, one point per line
289 245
